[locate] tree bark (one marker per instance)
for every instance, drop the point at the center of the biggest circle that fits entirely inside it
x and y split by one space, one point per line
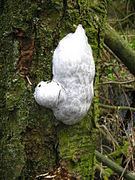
32 141
120 48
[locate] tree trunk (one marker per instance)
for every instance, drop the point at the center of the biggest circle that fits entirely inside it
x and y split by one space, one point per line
32 141
120 48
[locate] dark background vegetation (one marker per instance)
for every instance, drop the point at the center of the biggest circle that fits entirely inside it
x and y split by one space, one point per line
117 88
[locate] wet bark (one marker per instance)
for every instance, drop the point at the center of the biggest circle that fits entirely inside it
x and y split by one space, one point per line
32 141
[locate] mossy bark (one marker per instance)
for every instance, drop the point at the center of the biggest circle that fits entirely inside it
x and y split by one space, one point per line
32 141
120 47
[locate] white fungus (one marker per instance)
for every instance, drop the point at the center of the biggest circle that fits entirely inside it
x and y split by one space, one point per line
70 92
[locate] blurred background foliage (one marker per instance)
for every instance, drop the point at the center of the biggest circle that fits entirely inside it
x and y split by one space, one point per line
117 95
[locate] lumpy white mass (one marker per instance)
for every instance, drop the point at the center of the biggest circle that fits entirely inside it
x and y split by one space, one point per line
70 92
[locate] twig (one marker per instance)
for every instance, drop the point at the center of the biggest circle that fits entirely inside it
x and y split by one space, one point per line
28 80
120 20
116 107
110 135
117 82
46 175
114 166
111 52
125 168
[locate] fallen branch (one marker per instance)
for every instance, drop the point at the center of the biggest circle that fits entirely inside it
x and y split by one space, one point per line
114 166
117 82
120 48
116 107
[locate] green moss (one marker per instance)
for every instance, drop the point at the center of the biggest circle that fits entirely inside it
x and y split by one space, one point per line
14 159
28 131
76 143
23 127
77 148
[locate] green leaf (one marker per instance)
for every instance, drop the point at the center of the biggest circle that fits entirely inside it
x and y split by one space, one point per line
117 68
111 68
122 73
109 76
113 78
